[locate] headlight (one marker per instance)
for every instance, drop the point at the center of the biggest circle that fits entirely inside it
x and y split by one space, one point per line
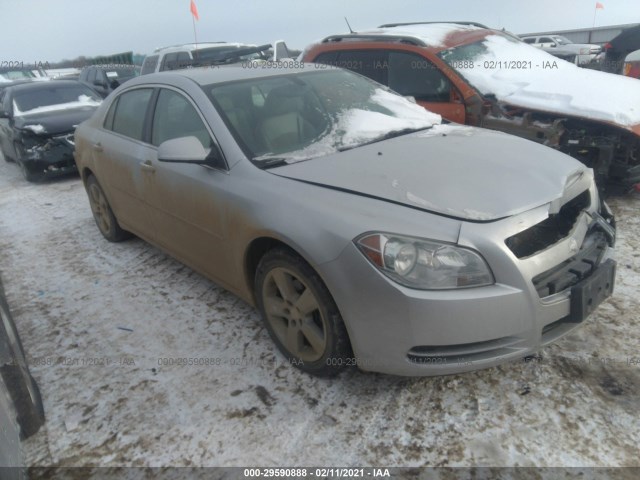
424 264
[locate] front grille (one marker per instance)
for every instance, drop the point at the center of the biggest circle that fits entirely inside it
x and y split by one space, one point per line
550 231
574 269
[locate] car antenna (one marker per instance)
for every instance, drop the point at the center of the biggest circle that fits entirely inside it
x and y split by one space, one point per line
350 30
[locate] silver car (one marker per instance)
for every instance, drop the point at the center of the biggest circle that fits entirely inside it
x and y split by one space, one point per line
365 230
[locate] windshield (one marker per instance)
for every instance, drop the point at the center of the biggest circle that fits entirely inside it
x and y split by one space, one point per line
311 114
16 74
222 53
52 96
113 73
562 40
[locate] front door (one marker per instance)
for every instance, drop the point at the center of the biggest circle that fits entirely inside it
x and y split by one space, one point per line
188 200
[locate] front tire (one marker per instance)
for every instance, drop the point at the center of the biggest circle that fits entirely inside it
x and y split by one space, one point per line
102 213
22 388
5 156
28 175
300 314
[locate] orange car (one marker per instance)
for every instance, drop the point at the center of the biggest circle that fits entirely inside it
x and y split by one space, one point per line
471 74
632 65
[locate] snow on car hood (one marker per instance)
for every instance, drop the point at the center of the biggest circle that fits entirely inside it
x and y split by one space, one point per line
54 122
462 172
522 75
82 102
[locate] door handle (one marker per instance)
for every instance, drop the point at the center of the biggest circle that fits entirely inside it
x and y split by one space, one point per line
97 147
147 166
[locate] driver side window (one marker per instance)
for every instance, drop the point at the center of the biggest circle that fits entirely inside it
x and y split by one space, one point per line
176 117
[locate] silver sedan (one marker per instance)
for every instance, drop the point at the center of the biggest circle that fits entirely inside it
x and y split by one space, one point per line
365 230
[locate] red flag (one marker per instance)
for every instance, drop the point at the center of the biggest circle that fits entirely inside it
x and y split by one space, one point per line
194 10
599 6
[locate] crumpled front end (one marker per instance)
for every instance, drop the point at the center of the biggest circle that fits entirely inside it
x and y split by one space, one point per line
553 265
48 155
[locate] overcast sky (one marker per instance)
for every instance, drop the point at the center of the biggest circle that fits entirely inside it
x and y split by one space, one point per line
50 30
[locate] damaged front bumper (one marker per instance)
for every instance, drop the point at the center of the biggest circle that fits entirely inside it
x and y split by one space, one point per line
50 156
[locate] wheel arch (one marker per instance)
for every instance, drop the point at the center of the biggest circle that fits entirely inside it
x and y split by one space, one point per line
85 173
254 252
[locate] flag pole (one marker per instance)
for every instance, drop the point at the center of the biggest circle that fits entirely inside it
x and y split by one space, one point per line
595 10
195 37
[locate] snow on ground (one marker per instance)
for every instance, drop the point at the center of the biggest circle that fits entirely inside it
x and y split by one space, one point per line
96 317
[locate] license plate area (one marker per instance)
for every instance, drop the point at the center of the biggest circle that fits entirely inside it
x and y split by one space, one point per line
591 292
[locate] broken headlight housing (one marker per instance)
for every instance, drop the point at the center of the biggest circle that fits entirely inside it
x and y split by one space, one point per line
425 264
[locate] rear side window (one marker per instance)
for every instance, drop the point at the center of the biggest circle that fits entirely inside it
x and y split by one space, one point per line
176 117
413 75
130 113
169 62
370 63
529 40
327 58
149 64
183 60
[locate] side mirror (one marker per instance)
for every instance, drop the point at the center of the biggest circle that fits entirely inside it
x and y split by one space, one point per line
553 45
4 114
188 150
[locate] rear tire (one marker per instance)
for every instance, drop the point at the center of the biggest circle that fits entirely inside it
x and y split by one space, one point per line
300 315
102 213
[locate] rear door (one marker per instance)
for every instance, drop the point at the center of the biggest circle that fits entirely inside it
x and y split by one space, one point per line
120 151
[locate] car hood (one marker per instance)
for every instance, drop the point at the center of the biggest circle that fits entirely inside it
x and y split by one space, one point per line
542 82
462 172
54 122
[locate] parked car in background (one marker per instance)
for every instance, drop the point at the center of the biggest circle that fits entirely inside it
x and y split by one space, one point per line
37 121
20 402
365 231
14 74
5 85
632 64
187 55
104 79
472 74
559 46
618 51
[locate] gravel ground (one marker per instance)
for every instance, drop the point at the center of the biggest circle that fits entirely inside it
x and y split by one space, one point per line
97 319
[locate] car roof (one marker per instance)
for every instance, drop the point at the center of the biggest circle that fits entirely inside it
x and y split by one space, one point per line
433 35
111 66
197 46
27 86
13 83
218 74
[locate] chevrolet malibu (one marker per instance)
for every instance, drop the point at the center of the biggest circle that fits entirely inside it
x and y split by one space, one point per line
365 230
